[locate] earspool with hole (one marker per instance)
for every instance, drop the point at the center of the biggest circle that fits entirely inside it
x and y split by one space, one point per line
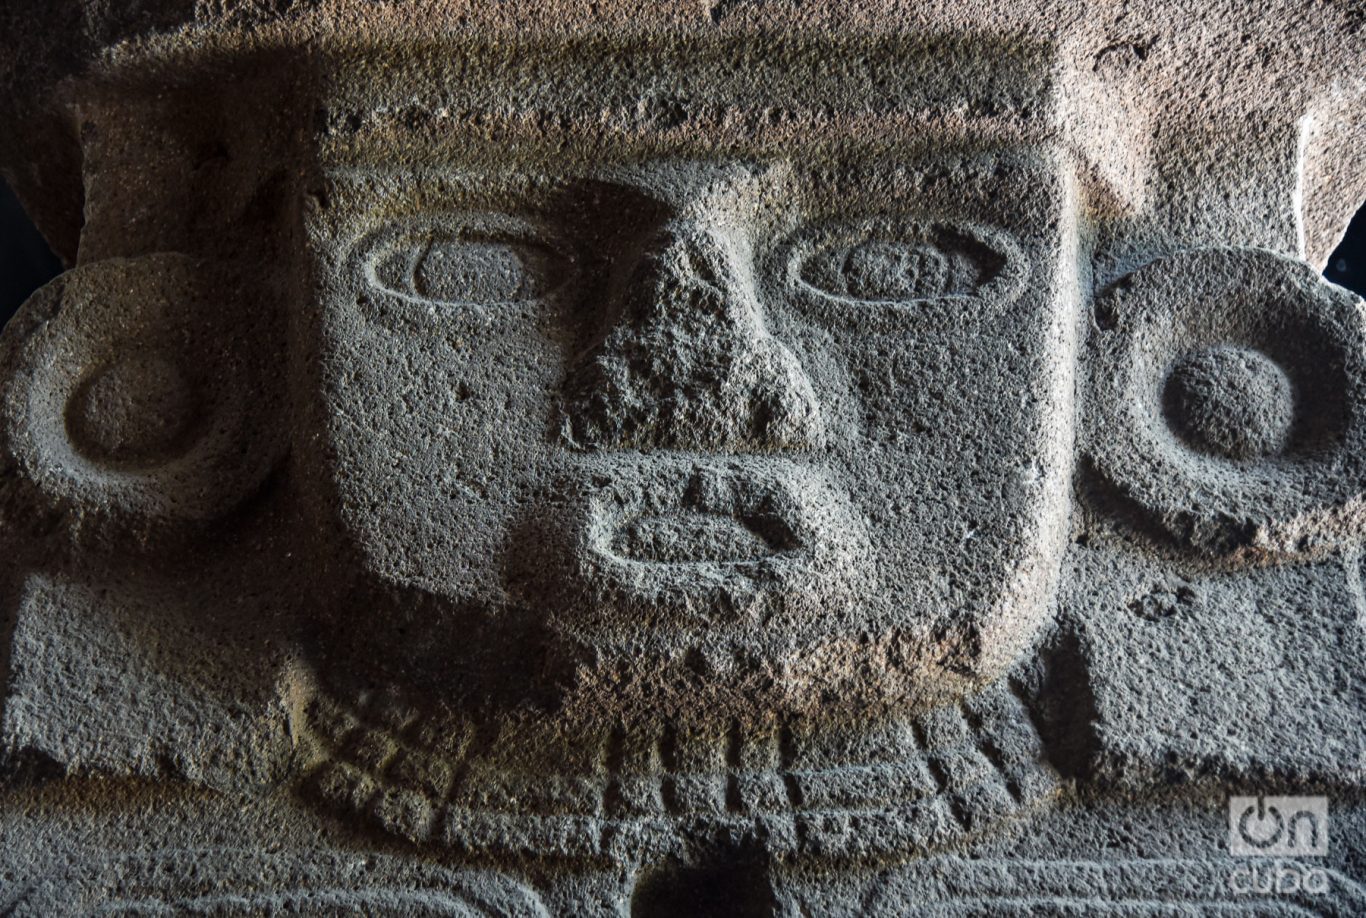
140 409
1227 405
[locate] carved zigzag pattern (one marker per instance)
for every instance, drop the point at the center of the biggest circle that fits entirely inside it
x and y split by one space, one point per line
908 786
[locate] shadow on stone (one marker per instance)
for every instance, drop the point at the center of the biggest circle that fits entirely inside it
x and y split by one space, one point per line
737 889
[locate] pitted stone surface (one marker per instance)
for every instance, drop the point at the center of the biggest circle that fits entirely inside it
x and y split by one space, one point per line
758 458
1223 386
1231 401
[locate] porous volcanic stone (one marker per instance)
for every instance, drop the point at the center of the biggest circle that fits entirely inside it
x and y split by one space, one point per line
747 457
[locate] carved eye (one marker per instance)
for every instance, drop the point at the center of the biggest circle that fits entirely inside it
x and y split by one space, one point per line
899 262
472 265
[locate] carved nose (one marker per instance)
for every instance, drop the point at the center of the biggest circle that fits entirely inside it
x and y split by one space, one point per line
690 363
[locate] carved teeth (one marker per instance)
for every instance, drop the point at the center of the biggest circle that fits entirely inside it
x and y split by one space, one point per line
662 547
680 538
716 515
718 519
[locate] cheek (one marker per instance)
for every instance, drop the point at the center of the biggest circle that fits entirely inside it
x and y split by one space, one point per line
440 441
944 424
958 460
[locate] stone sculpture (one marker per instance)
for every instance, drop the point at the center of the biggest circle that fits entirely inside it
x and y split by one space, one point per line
725 458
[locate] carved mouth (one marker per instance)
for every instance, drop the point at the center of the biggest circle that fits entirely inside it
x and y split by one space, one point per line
708 540
716 519
691 537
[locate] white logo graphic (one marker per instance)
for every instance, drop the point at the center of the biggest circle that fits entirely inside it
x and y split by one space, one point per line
1278 826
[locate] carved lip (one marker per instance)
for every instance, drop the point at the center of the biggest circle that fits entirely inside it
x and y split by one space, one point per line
712 521
667 542
701 516
691 537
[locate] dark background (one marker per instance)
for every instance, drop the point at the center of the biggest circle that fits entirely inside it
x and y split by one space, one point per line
26 263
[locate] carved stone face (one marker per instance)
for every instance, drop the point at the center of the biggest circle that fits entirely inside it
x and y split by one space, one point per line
801 435
740 457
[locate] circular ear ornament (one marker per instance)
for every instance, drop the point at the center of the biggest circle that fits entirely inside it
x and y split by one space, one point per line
138 401
1228 401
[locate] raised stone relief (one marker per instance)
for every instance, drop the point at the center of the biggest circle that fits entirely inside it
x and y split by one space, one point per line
1233 401
738 458
136 405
